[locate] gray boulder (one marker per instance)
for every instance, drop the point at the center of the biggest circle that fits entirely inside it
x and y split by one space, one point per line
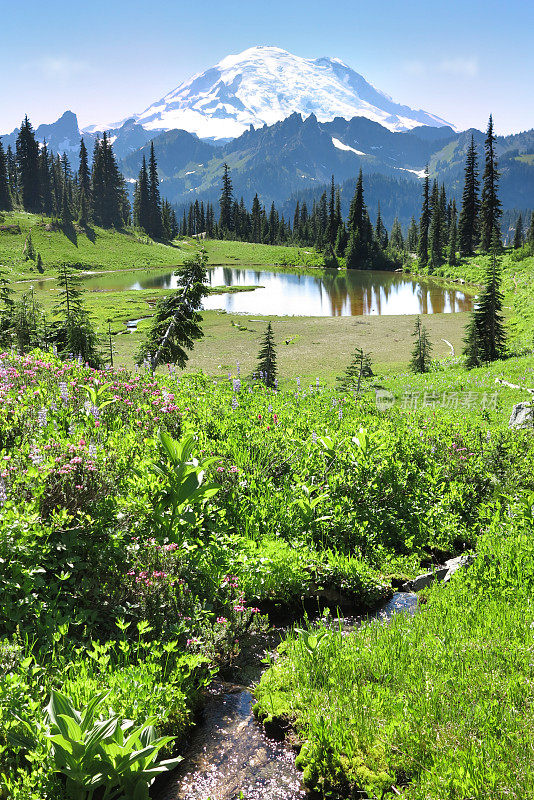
522 416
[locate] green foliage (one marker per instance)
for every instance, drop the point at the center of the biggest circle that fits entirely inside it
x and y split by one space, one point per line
421 354
267 368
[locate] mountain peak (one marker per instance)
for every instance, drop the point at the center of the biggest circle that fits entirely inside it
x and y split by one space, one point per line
265 84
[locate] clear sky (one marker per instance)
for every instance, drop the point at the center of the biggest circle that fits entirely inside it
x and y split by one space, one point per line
107 59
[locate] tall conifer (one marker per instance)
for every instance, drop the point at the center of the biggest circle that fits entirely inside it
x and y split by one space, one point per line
490 206
468 224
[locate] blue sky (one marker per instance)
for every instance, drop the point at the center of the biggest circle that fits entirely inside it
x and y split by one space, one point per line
106 60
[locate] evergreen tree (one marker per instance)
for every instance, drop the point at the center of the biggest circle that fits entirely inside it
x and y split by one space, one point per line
225 203
47 196
29 249
66 214
468 222
141 200
424 223
485 337
381 233
412 237
359 368
396 240
332 216
267 358
421 354
28 167
72 331
154 199
109 205
490 206
84 184
176 323
519 236
530 232
6 202
436 229
27 316
453 237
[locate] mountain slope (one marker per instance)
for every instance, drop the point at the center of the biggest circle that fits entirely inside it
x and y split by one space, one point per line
263 85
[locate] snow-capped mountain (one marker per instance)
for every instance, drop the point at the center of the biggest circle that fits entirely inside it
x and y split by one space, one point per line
264 85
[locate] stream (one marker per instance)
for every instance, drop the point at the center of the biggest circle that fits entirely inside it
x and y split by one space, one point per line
229 753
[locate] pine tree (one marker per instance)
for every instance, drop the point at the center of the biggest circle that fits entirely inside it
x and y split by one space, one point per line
485 337
72 331
490 206
359 368
453 237
519 235
267 358
176 323
29 249
530 232
332 217
421 354
381 233
225 203
109 204
47 196
412 237
141 200
396 240
424 223
28 167
66 214
468 223
154 199
84 183
6 202
436 229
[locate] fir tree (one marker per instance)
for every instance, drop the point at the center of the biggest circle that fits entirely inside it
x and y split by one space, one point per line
530 232
176 323
28 167
29 249
359 368
490 206
267 358
66 214
12 174
6 202
519 236
154 199
381 233
84 184
424 223
453 237
396 240
436 229
72 331
225 203
412 237
47 195
421 354
109 205
468 222
485 337
141 200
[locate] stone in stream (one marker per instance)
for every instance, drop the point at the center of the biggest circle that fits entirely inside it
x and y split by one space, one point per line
522 416
444 573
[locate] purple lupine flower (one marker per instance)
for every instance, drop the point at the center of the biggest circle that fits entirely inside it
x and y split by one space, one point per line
54 349
276 383
298 383
314 437
317 383
3 493
64 392
269 408
235 404
236 384
250 389
340 413
36 457
41 417
92 450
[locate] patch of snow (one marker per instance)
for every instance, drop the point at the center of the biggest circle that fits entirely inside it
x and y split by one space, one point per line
192 172
341 146
419 172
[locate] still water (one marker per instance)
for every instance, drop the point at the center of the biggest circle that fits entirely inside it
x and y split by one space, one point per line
330 293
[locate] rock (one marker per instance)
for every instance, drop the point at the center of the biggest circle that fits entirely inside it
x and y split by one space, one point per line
522 416
454 564
444 573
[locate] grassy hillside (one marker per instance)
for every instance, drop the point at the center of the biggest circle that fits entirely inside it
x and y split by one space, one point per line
109 249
